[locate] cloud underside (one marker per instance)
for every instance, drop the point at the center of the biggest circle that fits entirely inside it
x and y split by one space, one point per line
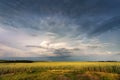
65 28
95 16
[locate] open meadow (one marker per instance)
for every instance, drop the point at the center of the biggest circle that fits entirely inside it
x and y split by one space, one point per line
60 71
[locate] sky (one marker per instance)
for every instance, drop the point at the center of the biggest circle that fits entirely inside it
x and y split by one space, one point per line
60 29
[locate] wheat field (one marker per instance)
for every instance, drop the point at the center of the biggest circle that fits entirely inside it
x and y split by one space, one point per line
60 71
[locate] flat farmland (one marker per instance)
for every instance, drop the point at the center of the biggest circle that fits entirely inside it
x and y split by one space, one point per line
60 71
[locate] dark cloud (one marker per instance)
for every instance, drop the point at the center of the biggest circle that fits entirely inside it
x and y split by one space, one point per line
59 52
62 52
87 15
69 25
110 24
33 46
118 53
94 47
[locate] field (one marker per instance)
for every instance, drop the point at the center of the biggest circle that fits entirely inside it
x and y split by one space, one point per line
60 71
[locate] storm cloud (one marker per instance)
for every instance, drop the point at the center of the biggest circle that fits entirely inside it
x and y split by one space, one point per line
59 27
98 16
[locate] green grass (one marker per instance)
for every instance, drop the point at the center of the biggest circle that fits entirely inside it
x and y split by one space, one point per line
60 71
